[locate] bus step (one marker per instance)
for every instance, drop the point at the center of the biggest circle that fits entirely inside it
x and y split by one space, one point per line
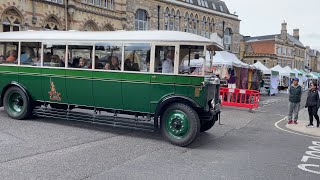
114 121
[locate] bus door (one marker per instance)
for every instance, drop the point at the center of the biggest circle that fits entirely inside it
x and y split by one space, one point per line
163 80
54 73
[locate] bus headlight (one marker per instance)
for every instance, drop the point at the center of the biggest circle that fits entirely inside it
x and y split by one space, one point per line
213 103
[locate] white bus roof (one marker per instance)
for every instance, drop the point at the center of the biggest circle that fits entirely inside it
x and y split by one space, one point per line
122 36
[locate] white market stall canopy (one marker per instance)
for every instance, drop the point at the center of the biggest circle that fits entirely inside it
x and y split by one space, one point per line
281 71
224 58
314 76
264 69
287 68
297 71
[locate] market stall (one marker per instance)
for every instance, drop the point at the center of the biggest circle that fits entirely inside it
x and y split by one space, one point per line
231 69
270 77
285 77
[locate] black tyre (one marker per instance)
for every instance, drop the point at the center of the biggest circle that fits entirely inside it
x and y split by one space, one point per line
180 124
206 125
17 103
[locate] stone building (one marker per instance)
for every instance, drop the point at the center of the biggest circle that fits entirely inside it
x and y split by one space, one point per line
312 59
210 16
278 49
201 17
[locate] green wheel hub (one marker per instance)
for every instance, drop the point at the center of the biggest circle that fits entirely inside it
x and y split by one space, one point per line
15 103
177 124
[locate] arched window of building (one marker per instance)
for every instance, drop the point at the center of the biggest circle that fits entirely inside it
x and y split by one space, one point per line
172 15
207 28
52 24
196 24
177 23
111 4
191 23
108 27
227 39
90 26
203 26
11 20
141 20
166 19
212 30
186 22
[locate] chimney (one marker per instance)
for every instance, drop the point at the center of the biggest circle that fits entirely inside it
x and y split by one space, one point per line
284 31
296 33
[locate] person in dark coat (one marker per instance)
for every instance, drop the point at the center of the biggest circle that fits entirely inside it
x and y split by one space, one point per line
312 104
295 92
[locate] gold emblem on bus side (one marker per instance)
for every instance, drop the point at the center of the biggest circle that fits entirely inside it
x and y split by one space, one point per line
54 95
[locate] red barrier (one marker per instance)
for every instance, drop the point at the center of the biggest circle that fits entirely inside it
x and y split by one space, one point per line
240 98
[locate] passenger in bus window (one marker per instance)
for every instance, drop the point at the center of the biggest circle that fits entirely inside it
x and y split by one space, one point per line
129 65
107 66
12 56
27 55
75 62
55 61
167 65
47 57
36 61
115 63
98 65
83 63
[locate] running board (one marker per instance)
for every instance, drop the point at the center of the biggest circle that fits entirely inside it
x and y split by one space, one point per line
109 120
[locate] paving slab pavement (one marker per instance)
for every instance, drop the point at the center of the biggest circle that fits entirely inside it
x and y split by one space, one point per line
301 127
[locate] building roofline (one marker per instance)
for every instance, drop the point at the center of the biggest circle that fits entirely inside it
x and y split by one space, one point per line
192 6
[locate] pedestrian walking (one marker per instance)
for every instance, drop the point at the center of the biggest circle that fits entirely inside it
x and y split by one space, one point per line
312 104
295 92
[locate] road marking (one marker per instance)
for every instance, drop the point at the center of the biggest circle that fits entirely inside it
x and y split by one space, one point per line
292 132
311 155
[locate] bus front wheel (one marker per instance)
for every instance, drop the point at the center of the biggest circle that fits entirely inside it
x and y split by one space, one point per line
180 124
17 103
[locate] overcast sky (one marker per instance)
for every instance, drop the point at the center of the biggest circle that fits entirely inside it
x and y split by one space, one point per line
263 17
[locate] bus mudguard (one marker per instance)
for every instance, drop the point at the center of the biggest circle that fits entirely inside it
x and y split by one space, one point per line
11 84
172 99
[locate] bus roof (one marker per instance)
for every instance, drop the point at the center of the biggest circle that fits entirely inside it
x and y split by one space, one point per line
123 36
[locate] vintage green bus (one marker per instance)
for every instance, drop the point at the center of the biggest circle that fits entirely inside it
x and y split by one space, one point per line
142 80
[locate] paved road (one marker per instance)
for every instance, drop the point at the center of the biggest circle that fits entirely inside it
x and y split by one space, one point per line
247 146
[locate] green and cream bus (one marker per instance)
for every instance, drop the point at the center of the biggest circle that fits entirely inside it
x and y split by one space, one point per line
141 80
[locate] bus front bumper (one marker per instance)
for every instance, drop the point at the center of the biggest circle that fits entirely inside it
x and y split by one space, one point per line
212 115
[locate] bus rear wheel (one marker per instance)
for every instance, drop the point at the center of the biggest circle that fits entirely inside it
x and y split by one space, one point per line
180 124
17 103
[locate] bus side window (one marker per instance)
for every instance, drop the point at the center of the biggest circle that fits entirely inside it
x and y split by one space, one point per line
137 57
109 56
9 52
191 60
164 60
30 53
80 56
54 55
